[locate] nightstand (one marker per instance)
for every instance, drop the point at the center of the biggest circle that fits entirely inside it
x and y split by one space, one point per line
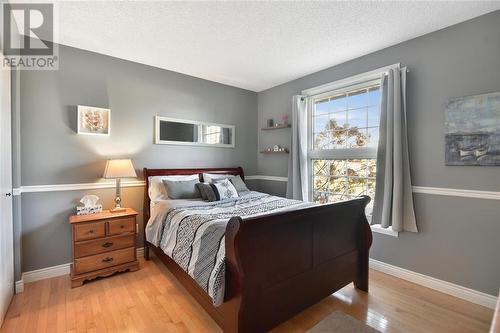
103 244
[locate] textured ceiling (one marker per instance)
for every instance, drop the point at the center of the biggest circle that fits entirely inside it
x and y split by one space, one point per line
252 45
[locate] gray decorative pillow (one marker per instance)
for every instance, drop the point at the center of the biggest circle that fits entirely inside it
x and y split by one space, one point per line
202 191
181 189
207 192
239 184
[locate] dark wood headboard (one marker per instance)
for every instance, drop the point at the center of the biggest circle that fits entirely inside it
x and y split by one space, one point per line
177 172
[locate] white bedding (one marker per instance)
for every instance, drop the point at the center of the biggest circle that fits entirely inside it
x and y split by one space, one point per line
158 211
191 232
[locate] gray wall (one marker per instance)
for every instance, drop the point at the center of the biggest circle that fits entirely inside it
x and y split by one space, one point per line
459 237
52 152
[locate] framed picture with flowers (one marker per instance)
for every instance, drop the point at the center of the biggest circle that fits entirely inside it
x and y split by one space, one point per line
93 121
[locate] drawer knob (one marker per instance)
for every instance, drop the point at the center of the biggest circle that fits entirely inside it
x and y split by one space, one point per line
107 244
91 231
108 259
122 226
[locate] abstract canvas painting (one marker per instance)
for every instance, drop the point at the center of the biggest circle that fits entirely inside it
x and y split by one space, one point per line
93 121
472 130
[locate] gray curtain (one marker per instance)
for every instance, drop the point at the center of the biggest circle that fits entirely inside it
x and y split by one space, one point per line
393 205
297 185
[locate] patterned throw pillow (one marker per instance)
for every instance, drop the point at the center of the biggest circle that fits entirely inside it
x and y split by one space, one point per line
224 190
207 192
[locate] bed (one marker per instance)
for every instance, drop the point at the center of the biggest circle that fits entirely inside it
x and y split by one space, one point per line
269 265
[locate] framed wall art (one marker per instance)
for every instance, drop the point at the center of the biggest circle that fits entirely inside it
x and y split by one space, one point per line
472 130
93 121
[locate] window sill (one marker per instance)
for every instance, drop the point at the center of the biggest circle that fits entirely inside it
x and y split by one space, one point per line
386 231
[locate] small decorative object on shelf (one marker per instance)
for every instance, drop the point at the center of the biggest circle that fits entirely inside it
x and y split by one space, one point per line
285 119
276 126
275 150
270 123
90 205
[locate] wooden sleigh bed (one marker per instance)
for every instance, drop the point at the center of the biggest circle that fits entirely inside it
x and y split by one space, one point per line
279 264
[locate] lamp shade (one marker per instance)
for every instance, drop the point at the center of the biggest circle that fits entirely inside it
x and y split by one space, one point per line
119 169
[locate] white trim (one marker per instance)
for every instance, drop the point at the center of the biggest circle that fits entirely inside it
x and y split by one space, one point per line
449 288
50 272
349 81
76 187
455 192
477 194
45 273
19 286
272 178
386 231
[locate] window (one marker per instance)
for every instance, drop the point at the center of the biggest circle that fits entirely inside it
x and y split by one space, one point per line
344 125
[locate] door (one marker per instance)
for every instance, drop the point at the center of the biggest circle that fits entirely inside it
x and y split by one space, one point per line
6 229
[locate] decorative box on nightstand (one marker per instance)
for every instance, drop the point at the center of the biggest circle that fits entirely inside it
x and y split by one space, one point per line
103 244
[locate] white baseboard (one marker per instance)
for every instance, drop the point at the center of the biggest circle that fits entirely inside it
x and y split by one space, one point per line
19 286
50 272
449 288
45 273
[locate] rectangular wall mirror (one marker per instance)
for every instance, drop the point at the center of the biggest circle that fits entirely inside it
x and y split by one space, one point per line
171 131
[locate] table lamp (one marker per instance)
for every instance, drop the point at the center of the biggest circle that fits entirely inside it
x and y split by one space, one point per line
117 169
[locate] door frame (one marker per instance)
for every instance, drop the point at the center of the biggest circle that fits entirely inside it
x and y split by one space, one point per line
6 199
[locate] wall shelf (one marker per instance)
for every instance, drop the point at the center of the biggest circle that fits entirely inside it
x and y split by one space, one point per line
275 127
274 152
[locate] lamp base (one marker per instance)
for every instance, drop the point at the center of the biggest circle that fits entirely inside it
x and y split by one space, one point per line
118 210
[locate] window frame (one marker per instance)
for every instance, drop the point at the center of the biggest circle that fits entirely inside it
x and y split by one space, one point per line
329 89
336 153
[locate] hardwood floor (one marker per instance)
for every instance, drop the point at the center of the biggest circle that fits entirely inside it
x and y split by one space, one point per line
151 300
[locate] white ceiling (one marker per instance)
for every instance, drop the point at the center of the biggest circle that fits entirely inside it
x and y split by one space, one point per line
252 45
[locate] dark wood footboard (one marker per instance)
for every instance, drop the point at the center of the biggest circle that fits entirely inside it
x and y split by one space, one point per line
279 264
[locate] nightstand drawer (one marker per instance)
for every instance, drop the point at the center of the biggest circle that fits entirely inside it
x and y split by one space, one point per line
104 260
86 231
120 226
87 248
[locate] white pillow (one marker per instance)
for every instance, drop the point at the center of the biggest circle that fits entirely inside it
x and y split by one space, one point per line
225 189
157 190
210 177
